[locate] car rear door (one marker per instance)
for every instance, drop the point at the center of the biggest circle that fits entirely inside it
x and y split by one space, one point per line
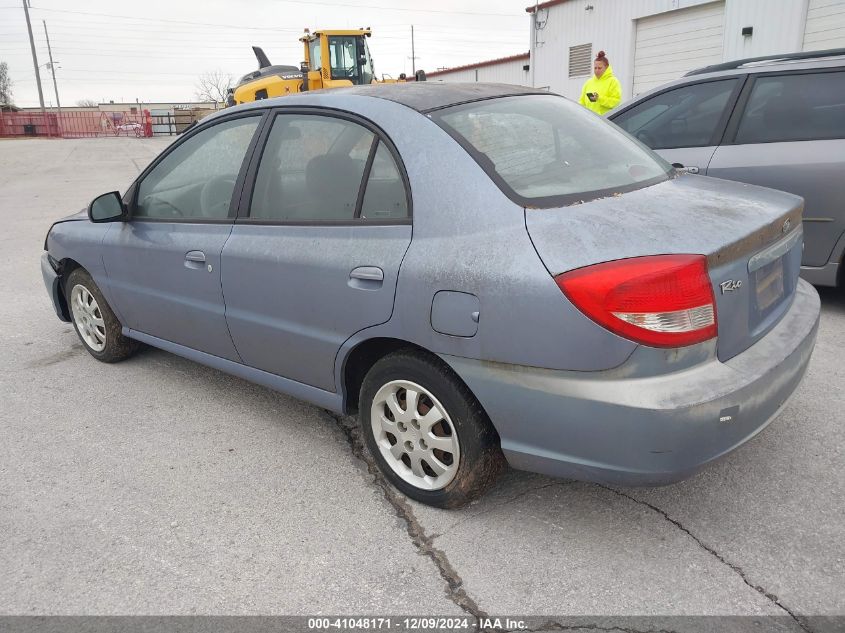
685 123
163 264
315 252
788 133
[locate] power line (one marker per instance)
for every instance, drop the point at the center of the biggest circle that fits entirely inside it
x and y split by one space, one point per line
383 8
306 2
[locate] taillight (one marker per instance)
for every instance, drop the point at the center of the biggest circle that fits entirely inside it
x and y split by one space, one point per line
659 300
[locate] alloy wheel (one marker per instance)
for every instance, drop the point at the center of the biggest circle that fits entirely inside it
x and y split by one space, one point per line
88 318
415 435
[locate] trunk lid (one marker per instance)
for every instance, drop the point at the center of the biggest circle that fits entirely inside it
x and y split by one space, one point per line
750 235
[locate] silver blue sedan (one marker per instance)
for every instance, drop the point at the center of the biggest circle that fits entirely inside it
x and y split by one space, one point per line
485 274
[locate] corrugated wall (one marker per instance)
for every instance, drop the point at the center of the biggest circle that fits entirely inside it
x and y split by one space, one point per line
825 25
611 25
608 26
510 72
778 27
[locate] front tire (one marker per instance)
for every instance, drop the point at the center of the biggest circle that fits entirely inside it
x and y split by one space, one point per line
427 432
94 321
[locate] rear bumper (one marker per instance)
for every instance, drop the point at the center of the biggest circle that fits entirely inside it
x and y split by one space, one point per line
612 428
52 282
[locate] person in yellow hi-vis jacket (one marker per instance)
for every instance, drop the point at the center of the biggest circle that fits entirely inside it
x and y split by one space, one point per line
601 92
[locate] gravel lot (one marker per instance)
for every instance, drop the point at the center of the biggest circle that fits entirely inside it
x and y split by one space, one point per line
158 486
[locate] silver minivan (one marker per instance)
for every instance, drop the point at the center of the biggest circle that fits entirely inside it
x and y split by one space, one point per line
777 121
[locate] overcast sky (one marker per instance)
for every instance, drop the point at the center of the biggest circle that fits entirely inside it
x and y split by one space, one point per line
153 50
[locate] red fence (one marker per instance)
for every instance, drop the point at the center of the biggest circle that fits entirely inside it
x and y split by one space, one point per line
75 124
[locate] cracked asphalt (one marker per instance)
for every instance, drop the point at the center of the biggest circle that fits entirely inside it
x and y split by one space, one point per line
159 486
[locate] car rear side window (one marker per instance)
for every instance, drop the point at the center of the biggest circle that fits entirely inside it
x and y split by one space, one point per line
544 150
684 117
797 107
312 170
196 180
385 195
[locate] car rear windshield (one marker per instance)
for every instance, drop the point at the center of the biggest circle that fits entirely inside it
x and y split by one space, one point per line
545 151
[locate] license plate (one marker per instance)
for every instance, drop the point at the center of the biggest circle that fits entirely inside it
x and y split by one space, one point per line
769 282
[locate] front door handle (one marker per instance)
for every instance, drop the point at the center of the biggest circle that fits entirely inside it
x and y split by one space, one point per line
366 278
689 170
370 273
195 259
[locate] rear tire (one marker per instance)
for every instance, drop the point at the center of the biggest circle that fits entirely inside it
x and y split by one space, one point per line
94 321
427 432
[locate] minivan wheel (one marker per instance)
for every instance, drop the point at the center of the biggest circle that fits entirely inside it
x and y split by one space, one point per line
427 432
94 321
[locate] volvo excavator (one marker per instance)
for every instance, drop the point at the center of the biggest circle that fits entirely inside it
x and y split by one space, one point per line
333 59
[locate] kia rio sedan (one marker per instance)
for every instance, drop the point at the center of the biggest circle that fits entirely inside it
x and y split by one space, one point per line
486 274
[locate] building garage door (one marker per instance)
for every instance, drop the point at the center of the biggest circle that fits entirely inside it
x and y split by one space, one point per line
825 25
673 43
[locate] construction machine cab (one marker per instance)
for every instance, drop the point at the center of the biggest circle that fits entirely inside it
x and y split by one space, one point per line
337 58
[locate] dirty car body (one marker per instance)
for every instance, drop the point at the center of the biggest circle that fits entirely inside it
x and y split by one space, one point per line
487 265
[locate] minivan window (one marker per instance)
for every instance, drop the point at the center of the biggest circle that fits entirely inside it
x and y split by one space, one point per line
311 169
683 117
796 107
196 180
545 150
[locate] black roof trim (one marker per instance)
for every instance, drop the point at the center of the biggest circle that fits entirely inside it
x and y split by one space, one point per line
426 96
833 52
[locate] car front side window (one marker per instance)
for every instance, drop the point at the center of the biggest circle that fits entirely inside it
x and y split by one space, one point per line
196 180
684 117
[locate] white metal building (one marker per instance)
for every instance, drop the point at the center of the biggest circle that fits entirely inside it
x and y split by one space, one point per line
651 42
506 70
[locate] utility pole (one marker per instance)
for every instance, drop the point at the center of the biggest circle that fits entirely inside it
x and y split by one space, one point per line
53 70
532 57
413 58
34 56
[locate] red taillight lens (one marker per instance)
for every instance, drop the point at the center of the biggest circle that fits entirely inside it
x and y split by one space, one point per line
660 300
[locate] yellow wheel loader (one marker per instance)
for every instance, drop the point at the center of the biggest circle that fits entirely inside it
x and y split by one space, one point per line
333 59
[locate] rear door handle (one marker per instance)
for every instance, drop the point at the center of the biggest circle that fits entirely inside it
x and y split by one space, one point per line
195 259
366 278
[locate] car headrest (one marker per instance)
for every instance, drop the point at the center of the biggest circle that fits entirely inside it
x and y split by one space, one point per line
334 175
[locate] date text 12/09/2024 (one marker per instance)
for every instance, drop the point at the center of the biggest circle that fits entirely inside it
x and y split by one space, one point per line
412 623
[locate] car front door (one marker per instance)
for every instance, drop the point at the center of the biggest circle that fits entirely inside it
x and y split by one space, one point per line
315 256
163 264
682 124
789 134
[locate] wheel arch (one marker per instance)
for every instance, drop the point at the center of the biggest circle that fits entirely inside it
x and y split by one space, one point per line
358 361
66 267
361 358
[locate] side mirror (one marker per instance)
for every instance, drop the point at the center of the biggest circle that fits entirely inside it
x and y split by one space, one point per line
107 208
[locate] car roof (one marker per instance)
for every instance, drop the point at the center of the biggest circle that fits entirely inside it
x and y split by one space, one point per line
421 96
782 60
426 96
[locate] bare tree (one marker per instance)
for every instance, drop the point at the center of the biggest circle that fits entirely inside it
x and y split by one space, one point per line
86 103
5 85
212 86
